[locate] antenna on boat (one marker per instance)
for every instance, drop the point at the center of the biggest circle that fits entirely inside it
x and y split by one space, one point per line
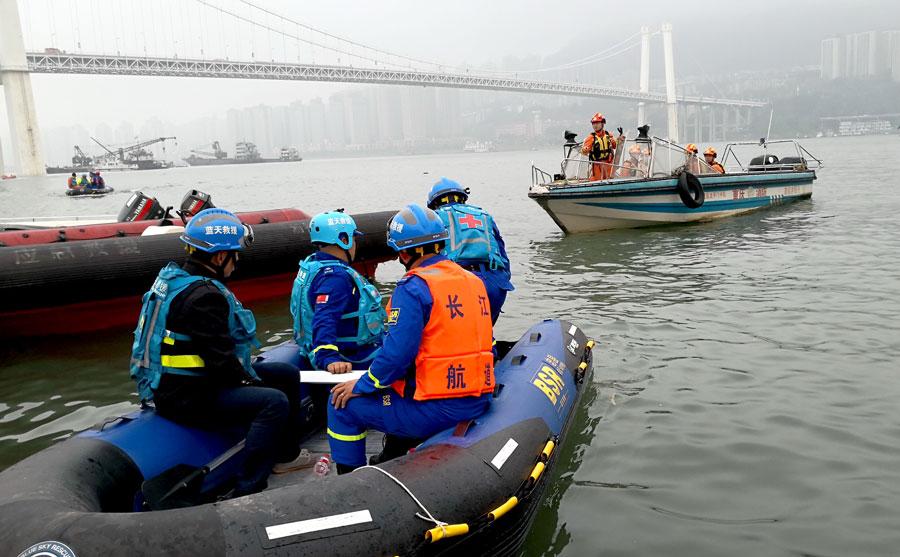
769 129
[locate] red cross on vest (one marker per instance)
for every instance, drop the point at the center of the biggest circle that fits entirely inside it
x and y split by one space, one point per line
470 221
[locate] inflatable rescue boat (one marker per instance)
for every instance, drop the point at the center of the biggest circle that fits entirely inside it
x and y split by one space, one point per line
90 192
88 278
470 490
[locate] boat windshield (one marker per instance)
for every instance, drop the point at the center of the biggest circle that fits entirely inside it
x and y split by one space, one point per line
670 159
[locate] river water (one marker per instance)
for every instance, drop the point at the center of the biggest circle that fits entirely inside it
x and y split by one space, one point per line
746 374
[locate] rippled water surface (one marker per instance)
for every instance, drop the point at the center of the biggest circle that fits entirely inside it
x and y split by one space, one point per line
747 375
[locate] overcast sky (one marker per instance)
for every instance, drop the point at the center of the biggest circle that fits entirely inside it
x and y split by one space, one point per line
763 33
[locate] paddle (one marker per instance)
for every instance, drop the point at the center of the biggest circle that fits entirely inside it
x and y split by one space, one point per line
179 485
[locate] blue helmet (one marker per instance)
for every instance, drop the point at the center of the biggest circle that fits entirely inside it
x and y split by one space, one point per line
444 187
215 230
333 227
415 226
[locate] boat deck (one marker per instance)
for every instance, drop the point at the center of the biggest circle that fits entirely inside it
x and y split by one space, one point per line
317 445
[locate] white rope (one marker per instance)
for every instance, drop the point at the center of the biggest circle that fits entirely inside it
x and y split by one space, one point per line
428 516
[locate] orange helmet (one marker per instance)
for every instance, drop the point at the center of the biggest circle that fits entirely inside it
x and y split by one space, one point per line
710 151
691 148
598 118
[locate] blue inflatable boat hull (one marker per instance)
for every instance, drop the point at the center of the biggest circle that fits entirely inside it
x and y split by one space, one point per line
484 479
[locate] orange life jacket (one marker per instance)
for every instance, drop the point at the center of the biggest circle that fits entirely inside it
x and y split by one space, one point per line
718 167
455 357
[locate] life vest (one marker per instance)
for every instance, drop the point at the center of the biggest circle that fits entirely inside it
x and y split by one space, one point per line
83 182
72 182
157 351
455 358
601 147
471 235
370 314
717 167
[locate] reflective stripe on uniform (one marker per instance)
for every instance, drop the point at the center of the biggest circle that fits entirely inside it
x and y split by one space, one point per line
182 361
375 380
324 347
169 340
350 438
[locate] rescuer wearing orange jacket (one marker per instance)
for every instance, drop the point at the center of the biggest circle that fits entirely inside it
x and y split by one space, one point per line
692 163
436 366
710 156
600 148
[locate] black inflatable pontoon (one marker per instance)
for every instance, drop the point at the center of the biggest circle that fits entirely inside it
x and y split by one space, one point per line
480 482
90 192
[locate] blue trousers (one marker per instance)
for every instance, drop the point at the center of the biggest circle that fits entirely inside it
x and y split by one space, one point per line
391 413
497 285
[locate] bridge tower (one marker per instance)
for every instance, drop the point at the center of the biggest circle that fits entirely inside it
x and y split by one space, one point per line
671 101
645 72
16 82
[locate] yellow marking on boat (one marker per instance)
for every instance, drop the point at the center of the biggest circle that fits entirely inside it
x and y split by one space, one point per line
503 509
536 472
550 383
449 531
548 450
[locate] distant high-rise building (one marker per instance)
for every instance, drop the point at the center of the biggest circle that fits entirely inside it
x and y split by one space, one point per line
357 113
125 133
388 112
297 124
280 125
832 58
104 133
317 121
261 131
866 55
891 42
336 128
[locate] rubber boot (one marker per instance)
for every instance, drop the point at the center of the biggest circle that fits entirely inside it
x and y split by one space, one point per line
343 468
394 447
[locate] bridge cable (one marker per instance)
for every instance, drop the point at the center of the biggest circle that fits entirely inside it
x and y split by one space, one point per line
252 23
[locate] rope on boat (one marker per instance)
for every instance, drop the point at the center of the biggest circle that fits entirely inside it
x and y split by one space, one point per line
428 516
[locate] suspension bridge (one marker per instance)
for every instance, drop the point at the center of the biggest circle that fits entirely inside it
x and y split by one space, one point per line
240 39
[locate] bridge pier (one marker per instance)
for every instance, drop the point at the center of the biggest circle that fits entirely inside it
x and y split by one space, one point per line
645 72
16 83
671 100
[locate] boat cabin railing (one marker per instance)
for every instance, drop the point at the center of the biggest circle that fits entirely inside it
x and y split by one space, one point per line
641 158
791 156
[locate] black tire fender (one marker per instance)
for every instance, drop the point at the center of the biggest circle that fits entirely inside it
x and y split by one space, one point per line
690 190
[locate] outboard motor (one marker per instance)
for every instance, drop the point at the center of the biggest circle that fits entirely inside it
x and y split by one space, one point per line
141 207
193 202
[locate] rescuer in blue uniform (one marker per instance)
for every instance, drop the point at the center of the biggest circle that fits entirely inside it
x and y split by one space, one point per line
338 317
192 347
474 240
436 367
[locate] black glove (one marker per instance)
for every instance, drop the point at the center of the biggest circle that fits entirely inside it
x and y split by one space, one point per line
620 131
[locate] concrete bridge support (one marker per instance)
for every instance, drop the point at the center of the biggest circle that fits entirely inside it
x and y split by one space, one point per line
671 101
16 83
645 72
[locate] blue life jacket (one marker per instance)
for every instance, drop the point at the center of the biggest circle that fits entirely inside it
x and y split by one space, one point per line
148 364
370 313
471 238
